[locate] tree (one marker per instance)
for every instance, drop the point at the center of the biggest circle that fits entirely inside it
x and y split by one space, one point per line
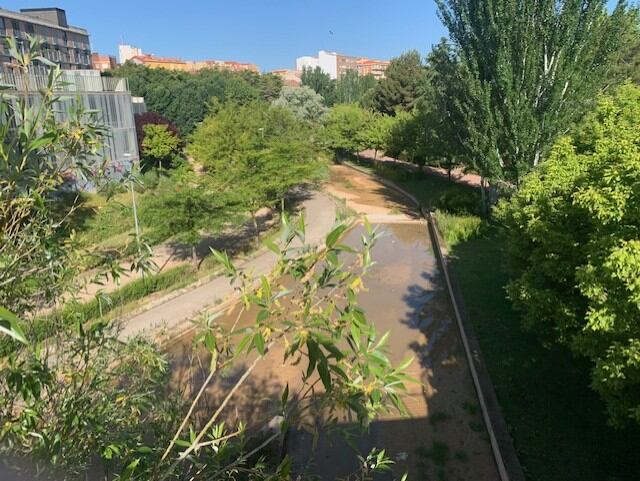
152 118
377 133
303 101
344 128
184 98
574 248
407 138
528 70
437 113
158 146
82 395
36 152
353 88
320 82
628 65
257 152
402 85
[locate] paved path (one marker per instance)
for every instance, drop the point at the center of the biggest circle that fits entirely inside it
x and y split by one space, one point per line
320 213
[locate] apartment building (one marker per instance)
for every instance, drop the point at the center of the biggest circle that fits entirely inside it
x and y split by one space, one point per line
102 62
153 61
63 44
290 78
376 68
127 52
109 96
307 62
336 64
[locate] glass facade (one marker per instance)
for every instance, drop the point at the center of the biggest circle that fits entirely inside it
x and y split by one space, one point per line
106 95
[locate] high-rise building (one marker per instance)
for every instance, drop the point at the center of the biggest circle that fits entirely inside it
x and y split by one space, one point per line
127 52
102 62
108 96
63 44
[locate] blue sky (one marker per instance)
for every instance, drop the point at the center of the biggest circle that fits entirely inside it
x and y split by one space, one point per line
270 33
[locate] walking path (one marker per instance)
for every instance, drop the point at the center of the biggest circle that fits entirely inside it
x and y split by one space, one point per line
320 208
457 174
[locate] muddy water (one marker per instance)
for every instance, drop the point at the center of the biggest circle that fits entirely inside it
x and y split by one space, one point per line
444 438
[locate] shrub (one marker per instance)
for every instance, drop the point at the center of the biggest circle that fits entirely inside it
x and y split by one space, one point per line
457 228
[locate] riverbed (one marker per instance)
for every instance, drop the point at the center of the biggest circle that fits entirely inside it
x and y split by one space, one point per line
444 438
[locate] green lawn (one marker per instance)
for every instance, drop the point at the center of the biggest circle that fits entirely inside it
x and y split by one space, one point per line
557 422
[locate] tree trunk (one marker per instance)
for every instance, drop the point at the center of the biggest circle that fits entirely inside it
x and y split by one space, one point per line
484 195
255 225
194 257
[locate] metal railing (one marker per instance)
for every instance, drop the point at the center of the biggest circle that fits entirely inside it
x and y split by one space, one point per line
69 81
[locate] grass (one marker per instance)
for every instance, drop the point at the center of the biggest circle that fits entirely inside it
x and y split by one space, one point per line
106 224
557 422
117 301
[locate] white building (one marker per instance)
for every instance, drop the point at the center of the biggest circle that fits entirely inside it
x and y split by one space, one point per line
328 62
306 62
126 52
332 63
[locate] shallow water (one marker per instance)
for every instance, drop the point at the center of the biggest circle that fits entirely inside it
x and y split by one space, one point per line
404 296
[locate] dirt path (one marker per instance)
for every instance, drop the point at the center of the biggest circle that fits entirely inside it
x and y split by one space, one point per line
457 175
320 214
444 438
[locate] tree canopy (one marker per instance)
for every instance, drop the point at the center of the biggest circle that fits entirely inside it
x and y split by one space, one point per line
527 71
183 97
320 82
303 101
402 85
574 230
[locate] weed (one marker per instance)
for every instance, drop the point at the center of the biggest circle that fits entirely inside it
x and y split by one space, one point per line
438 453
476 426
470 407
438 417
461 456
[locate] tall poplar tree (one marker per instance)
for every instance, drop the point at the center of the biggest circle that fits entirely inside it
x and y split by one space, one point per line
528 69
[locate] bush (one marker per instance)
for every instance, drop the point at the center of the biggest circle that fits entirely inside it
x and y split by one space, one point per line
456 228
459 202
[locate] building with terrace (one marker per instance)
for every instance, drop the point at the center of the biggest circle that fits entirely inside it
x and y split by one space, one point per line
63 44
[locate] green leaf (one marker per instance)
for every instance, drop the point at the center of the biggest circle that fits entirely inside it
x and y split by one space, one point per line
129 470
10 325
285 396
258 341
334 235
323 370
314 354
